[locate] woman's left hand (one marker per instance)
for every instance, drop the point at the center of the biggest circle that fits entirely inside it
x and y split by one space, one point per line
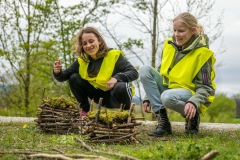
111 83
189 110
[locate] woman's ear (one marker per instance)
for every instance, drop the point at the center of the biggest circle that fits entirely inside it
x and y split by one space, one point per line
194 30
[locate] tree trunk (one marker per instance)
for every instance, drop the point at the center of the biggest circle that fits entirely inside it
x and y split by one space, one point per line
154 34
237 100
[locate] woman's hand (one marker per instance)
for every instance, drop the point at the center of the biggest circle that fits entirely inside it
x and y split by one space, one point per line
147 107
57 67
111 83
189 110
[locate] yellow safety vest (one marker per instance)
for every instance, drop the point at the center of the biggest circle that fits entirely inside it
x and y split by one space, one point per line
105 72
182 74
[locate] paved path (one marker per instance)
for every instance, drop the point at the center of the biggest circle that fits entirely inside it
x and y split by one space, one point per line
219 126
16 119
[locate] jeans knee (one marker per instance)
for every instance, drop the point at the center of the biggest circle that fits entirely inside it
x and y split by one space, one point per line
143 71
167 99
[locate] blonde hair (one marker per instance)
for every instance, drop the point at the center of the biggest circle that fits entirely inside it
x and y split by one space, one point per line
190 21
78 48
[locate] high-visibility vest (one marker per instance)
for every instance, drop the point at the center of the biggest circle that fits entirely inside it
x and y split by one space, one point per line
182 74
105 72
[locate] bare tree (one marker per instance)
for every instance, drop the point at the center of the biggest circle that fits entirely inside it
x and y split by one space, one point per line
149 22
33 35
22 25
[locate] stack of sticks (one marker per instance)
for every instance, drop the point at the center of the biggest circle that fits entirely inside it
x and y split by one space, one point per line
58 120
112 132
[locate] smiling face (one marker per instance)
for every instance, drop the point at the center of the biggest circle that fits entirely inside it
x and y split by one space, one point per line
90 44
182 33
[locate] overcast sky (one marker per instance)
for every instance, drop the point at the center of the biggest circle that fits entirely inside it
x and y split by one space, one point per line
227 75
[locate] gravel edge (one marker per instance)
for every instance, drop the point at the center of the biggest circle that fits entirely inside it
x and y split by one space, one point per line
16 119
219 126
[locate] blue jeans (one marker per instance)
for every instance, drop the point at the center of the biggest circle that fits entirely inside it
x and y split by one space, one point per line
161 96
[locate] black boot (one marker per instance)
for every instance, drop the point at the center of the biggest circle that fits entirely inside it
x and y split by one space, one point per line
164 126
192 125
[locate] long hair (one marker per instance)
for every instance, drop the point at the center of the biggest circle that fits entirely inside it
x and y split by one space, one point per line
78 48
190 21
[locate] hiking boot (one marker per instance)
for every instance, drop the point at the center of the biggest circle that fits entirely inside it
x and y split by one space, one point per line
164 126
192 125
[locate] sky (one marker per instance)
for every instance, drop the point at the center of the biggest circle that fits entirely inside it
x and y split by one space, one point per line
227 75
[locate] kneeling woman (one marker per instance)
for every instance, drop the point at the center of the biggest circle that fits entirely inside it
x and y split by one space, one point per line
98 72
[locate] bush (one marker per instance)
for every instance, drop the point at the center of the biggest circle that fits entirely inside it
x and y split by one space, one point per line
222 109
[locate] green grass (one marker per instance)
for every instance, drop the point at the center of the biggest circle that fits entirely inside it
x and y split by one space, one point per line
14 137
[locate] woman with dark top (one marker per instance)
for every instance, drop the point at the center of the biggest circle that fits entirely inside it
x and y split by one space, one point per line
99 72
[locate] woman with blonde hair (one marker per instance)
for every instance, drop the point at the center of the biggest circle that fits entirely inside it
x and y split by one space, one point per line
185 82
98 72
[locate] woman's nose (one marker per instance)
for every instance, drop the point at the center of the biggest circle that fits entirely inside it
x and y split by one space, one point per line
176 34
88 44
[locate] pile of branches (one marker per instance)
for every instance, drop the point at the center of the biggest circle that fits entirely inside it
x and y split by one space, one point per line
59 115
111 126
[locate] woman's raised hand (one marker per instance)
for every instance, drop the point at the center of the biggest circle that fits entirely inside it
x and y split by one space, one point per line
57 66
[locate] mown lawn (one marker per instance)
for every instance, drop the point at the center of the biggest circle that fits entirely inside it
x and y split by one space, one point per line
17 140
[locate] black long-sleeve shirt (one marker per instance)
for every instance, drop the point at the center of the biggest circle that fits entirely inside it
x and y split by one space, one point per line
123 70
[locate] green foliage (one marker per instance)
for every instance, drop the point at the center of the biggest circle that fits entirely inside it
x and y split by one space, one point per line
61 102
131 42
110 116
63 139
41 35
222 108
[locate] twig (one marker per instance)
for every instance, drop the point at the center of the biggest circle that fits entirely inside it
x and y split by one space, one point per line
43 93
127 125
59 151
102 137
138 118
128 130
17 152
44 155
66 110
210 155
115 139
91 105
86 156
98 110
112 133
130 113
57 120
108 153
80 114
121 107
108 129
63 156
84 145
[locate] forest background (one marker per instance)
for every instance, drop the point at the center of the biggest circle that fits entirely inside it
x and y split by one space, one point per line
34 33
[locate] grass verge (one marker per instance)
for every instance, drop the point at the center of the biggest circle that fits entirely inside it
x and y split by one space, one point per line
18 138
